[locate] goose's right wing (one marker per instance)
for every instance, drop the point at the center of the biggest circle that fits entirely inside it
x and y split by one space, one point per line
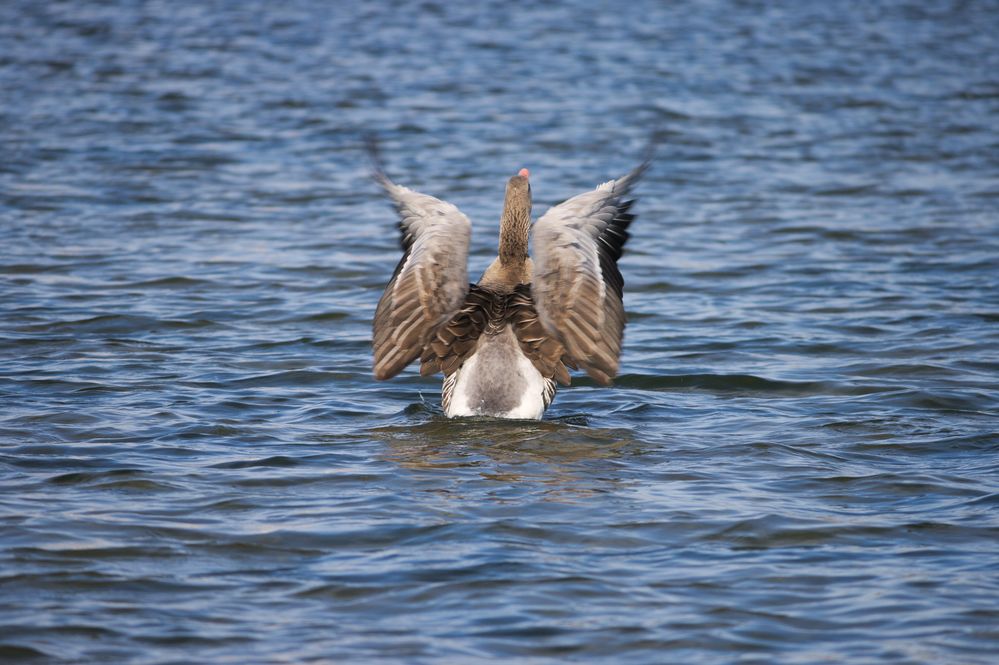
576 285
429 284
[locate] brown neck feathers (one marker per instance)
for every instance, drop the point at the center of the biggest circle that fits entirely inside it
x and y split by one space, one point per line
515 224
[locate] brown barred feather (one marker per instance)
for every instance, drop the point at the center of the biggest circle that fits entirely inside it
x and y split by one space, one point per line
488 312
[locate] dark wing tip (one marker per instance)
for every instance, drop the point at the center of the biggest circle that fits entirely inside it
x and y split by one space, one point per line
649 152
371 146
648 157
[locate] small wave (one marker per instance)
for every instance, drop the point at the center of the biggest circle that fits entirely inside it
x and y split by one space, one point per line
14 653
294 377
744 383
115 479
323 317
119 324
173 282
953 401
277 461
774 531
86 477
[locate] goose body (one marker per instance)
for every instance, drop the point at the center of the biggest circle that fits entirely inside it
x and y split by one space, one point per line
504 343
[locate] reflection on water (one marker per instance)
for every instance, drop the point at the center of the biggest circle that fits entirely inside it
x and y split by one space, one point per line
564 457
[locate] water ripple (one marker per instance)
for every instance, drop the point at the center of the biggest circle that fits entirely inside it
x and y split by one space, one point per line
796 464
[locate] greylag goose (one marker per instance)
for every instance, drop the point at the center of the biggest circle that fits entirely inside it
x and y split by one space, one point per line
503 343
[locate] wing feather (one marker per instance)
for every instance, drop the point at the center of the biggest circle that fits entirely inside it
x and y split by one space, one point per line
429 283
486 312
455 341
577 287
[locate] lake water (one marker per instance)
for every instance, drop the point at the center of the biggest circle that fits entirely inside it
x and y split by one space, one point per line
799 462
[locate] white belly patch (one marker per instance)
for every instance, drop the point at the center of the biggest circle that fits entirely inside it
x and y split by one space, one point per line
498 380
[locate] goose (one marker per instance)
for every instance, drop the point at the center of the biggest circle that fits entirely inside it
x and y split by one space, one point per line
504 342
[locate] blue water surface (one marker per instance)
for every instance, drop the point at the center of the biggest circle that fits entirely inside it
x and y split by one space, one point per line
799 462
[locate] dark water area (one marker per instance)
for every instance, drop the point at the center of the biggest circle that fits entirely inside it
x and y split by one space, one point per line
799 462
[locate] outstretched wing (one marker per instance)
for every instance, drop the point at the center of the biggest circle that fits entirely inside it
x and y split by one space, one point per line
577 286
429 284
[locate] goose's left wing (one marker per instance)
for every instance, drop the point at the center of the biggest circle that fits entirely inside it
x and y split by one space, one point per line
577 286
